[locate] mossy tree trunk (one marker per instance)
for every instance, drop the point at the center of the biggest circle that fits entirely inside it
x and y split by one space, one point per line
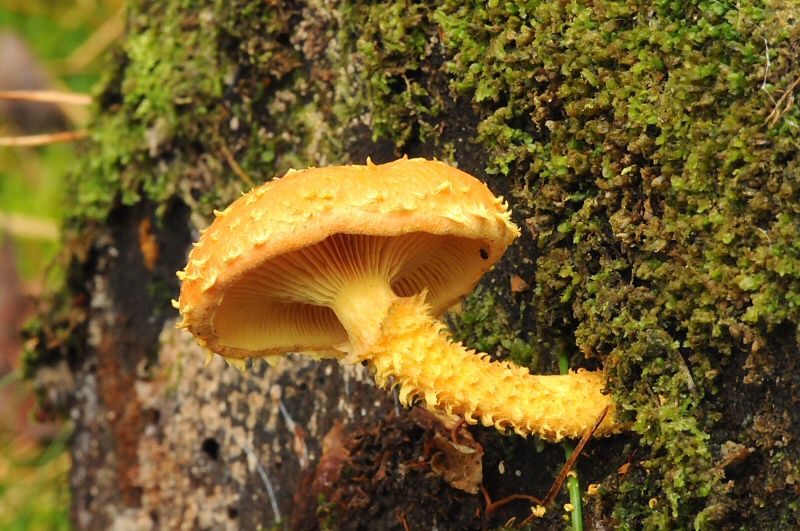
649 149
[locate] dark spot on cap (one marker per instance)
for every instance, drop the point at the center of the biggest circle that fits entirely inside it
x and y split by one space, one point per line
484 254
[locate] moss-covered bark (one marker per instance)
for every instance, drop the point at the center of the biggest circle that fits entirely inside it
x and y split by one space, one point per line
661 164
651 149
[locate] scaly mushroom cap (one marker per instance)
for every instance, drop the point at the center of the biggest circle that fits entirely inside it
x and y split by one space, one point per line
262 277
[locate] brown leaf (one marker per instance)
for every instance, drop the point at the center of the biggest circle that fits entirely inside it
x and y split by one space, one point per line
518 285
460 465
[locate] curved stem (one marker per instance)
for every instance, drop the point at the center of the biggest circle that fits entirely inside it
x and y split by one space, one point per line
425 364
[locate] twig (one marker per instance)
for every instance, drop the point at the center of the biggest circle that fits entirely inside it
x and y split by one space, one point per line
44 139
776 113
572 458
24 226
402 519
46 96
99 41
454 431
490 507
235 166
486 495
548 500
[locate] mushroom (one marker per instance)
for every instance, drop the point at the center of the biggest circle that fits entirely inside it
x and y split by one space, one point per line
354 262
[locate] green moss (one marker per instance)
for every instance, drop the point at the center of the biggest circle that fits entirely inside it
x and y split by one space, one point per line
662 178
326 513
222 82
487 326
387 48
167 83
194 97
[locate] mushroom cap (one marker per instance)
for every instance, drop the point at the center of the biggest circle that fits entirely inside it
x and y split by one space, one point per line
252 284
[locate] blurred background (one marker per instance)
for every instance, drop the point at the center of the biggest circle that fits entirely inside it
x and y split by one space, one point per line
44 46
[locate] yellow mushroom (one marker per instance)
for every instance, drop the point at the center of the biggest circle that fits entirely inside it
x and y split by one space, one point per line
354 262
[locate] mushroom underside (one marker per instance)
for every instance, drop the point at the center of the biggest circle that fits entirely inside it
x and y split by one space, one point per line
287 303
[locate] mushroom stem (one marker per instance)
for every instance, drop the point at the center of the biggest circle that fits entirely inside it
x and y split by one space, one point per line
361 305
414 350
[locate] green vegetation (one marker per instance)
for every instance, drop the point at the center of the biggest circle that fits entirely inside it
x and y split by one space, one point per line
486 326
34 492
325 514
34 487
223 85
391 43
179 101
661 165
32 185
